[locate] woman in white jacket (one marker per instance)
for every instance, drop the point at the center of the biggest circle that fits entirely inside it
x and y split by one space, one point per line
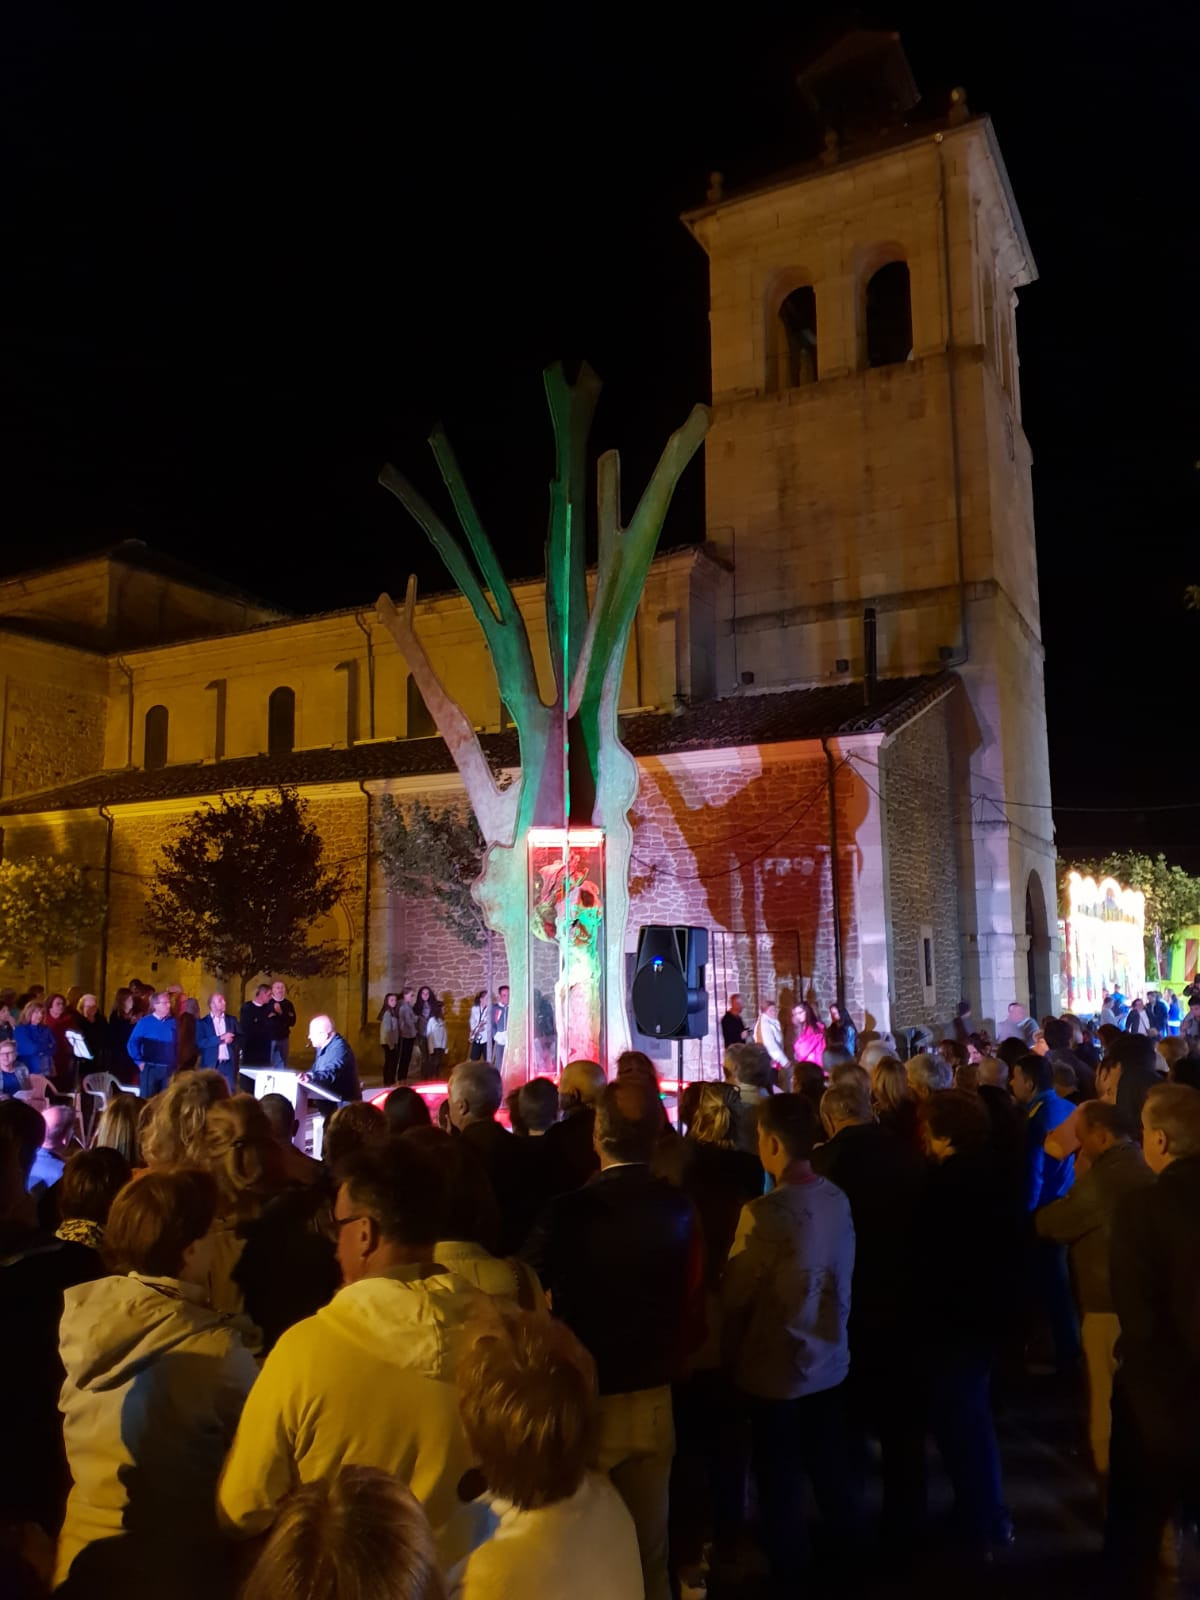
527 1396
155 1383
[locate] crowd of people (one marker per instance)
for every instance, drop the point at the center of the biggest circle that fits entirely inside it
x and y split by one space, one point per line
591 1354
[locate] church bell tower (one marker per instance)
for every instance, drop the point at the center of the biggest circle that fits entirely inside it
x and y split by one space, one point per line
867 452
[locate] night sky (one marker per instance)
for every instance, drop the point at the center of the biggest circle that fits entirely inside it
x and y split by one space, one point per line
248 257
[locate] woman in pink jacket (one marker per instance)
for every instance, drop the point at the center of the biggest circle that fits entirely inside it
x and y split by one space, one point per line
808 1033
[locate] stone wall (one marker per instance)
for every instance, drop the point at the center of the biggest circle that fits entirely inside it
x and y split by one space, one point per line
52 734
920 806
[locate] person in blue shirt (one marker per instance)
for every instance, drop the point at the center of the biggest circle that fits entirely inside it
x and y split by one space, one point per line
334 1069
13 1076
154 1046
1048 1178
36 1043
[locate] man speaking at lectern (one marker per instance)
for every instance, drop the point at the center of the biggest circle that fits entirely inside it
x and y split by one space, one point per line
334 1070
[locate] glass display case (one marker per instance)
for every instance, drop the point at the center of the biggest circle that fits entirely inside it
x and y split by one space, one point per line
566 948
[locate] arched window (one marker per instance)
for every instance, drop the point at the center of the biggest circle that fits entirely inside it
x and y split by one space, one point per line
889 315
154 752
795 340
418 723
281 722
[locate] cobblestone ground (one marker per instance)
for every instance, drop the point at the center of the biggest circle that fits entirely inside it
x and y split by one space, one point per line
1056 1554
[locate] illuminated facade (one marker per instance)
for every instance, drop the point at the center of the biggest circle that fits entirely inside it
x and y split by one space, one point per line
1104 942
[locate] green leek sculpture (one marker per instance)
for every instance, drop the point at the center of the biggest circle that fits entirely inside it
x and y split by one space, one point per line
574 770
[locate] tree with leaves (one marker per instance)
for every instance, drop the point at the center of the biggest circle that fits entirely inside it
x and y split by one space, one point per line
1172 895
239 887
435 856
49 909
574 770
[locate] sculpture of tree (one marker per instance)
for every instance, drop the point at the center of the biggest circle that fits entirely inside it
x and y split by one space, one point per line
587 648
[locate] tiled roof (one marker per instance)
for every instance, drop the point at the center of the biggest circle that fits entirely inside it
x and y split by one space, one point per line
795 714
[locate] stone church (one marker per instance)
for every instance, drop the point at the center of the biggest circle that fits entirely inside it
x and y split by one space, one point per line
834 694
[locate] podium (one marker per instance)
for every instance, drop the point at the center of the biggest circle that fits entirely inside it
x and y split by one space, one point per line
281 1080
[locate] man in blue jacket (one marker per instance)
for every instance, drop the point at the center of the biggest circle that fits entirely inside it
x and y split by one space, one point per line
334 1068
218 1039
154 1046
1048 1178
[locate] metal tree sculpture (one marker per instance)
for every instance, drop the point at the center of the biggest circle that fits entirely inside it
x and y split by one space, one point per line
573 765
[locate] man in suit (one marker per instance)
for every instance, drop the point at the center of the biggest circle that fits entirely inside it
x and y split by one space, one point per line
334 1068
500 1028
218 1039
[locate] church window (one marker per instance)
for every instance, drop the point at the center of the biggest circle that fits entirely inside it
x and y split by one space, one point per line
795 338
281 722
926 969
889 315
418 722
155 748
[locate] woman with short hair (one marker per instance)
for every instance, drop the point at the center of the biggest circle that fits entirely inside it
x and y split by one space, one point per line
527 1398
36 1042
91 1181
359 1533
155 1383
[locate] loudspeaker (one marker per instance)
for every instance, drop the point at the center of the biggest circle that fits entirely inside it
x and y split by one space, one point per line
669 998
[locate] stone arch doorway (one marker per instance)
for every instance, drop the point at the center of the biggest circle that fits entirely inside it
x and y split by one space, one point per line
1037 948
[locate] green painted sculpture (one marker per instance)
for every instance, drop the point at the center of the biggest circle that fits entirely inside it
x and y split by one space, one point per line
574 768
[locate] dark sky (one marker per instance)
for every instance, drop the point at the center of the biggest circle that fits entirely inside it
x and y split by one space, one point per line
253 250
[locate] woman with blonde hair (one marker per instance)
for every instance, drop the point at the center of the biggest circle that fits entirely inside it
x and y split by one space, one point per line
178 1114
892 1100
273 1258
117 1128
360 1533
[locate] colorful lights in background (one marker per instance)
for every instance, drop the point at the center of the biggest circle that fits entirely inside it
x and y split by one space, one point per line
1103 942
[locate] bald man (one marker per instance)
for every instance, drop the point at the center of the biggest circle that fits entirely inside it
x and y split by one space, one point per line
334 1069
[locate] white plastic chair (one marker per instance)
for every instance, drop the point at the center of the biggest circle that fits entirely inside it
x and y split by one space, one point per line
100 1088
35 1095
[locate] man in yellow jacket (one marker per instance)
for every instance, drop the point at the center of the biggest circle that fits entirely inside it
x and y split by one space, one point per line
370 1378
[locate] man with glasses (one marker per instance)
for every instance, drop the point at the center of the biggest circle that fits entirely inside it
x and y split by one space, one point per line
370 1378
154 1046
